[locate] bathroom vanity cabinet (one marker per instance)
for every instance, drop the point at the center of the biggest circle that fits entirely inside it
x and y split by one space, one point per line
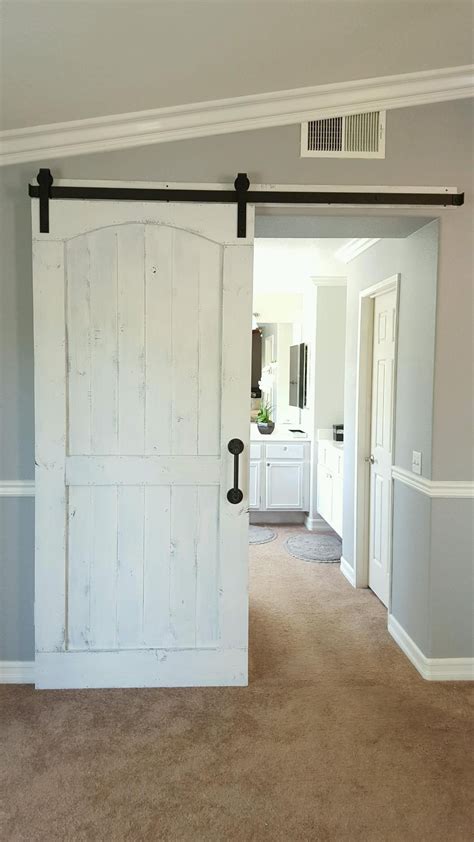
279 474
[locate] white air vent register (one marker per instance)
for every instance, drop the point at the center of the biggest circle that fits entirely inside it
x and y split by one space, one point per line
350 136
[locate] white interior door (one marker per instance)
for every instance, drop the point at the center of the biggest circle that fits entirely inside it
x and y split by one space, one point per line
383 367
142 317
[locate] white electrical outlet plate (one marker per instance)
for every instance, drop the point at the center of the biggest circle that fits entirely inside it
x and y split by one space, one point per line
416 462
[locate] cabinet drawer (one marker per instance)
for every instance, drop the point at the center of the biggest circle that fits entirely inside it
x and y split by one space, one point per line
255 451
285 451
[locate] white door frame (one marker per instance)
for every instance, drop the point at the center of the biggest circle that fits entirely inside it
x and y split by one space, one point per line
363 427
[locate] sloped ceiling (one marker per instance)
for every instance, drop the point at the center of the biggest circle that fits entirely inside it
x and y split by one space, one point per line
71 60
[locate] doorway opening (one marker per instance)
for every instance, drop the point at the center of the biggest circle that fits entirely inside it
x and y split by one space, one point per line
383 417
297 389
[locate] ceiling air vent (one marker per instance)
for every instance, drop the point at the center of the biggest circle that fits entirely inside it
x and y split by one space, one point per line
351 136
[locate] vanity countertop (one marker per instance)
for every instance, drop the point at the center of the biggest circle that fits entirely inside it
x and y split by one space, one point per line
279 434
339 445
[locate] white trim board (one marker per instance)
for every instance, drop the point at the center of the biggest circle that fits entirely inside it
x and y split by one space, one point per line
434 488
17 488
354 247
234 114
348 571
432 669
17 672
262 187
329 280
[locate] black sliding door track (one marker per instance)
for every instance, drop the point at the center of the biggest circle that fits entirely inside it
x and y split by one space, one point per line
47 191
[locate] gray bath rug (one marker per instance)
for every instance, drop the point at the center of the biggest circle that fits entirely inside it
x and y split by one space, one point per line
315 547
261 534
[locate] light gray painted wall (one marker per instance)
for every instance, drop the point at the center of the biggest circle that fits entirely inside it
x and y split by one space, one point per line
426 145
433 569
416 346
415 258
16 579
16 335
329 356
148 53
411 563
451 579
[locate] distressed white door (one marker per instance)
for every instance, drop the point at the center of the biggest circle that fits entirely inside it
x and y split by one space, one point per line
142 316
383 367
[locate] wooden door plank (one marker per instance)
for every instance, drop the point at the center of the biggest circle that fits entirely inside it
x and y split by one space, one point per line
236 362
142 470
80 537
183 565
207 566
104 349
131 338
209 351
158 342
103 584
130 552
185 366
157 630
50 446
79 345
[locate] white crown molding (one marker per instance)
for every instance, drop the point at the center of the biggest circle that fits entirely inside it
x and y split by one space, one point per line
432 669
17 488
348 571
235 114
434 488
329 280
355 247
17 672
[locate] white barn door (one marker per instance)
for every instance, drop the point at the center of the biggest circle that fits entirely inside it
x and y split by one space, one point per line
142 357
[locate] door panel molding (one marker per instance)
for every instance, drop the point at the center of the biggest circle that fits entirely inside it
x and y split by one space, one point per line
363 424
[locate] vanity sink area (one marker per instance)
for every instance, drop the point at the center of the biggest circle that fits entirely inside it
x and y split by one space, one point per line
280 433
279 470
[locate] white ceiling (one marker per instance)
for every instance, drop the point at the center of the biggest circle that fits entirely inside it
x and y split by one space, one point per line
287 265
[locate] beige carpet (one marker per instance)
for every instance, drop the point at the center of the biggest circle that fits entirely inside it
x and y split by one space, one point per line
337 737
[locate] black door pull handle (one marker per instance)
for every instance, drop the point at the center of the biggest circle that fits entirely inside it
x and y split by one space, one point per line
234 495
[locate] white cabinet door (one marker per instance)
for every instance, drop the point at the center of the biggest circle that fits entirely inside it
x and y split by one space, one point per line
325 492
142 319
284 485
254 484
337 500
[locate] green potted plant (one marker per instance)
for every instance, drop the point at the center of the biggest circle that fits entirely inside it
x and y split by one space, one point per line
264 419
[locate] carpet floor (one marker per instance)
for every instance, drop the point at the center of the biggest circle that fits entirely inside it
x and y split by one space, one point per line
337 737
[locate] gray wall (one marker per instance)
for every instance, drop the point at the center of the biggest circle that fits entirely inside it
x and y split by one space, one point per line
16 578
329 353
426 145
415 258
412 563
145 54
451 579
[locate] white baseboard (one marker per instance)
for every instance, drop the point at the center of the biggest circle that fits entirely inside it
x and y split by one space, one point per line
348 572
17 672
311 522
432 669
280 517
